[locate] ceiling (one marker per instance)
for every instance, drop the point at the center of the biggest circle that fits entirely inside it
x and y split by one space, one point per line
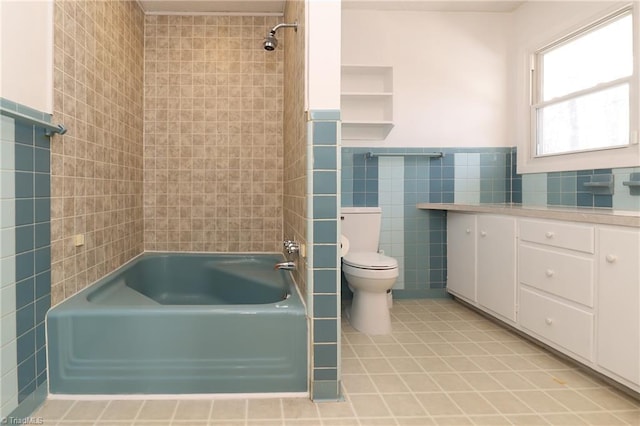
260 7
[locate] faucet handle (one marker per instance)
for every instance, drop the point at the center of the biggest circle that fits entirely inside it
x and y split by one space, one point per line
291 246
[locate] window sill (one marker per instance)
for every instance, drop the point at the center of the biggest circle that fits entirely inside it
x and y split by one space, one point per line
628 156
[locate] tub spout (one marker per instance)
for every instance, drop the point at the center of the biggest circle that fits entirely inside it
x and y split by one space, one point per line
288 266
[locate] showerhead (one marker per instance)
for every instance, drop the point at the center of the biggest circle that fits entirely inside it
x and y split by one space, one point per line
270 41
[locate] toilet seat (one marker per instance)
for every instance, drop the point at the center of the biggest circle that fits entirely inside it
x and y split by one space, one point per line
370 261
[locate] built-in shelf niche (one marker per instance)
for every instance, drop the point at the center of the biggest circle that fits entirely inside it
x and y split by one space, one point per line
367 102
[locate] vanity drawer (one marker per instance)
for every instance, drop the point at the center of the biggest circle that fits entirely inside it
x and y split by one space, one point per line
558 234
559 323
562 274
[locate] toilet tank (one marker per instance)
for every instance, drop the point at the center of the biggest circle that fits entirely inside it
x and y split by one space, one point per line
361 225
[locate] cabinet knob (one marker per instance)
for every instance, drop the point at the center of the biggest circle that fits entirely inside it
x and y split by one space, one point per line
468 231
483 234
549 273
549 234
548 321
611 258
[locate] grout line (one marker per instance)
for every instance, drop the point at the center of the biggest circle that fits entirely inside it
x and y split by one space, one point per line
106 407
65 413
175 411
209 418
104 410
135 418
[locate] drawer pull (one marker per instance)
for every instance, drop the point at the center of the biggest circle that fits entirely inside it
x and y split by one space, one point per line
548 321
468 231
483 234
549 234
549 273
611 258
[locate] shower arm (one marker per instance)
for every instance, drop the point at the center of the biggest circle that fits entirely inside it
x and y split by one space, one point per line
277 27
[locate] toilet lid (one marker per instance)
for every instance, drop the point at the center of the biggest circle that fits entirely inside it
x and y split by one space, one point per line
370 260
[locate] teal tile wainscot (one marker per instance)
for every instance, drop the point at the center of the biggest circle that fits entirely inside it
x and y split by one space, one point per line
567 189
25 261
396 179
323 136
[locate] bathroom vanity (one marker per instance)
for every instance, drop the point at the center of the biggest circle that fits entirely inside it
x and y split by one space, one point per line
569 278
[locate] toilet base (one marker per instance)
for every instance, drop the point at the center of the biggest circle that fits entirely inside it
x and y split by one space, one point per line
369 313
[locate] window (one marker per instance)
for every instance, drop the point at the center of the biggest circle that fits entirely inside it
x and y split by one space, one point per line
582 89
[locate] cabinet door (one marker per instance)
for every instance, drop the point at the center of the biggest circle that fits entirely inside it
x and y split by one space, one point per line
461 255
497 264
618 314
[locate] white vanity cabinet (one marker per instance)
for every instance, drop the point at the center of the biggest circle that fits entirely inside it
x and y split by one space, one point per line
497 265
461 255
556 284
618 309
574 286
481 252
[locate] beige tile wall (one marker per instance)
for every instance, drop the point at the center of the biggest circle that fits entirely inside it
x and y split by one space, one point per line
295 133
211 167
213 153
96 168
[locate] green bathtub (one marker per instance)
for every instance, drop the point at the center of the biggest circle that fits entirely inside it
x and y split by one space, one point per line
169 323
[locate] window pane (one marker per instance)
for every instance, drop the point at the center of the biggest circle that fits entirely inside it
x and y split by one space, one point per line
599 56
596 120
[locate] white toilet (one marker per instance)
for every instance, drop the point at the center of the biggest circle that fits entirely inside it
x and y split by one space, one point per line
369 274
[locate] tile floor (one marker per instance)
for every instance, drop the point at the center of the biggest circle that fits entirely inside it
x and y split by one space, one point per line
443 365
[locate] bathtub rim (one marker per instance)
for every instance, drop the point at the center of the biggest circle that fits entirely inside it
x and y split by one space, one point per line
82 301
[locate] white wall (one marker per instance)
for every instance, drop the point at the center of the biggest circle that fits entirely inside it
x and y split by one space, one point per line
536 24
323 54
26 58
450 72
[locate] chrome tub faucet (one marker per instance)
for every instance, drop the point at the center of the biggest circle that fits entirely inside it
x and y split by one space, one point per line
287 266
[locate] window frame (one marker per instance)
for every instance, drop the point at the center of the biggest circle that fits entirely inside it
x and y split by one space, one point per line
627 155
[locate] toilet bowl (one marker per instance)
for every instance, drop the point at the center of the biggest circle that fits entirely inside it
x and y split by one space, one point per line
370 276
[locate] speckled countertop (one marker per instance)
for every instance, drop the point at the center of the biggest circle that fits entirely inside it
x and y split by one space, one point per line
575 214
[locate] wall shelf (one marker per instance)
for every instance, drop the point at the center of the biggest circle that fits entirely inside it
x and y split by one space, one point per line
366 130
382 95
367 102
